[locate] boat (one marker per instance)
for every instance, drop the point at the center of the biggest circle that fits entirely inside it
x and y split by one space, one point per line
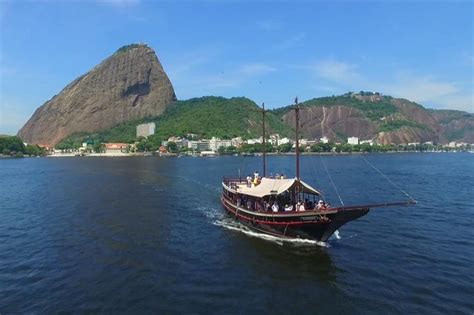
288 208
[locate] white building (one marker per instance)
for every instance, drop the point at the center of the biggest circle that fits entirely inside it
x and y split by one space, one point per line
254 141
284 141
371 142
353 140
274 139
180 142
324 139
216 143
145 130
237 142
201 145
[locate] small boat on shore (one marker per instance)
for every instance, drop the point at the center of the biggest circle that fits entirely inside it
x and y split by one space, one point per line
288 207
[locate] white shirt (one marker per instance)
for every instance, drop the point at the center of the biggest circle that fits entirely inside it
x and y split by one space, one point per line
275 207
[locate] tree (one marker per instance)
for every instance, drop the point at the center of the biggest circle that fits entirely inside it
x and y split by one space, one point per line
286 147
172 147
98 147
221 150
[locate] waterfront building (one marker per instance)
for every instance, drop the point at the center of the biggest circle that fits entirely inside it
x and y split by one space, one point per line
237 142
284 141
201 145
370 142
208 153
216 143
274 139
180 142
353 140
324 139
255 141
114 148
145 130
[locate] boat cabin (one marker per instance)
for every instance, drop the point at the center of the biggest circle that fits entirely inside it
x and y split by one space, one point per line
273 195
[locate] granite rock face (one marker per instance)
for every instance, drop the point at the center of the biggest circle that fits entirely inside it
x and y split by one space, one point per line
337 122
130 84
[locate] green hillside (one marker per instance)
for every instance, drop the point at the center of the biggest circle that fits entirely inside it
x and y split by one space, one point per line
205 116
373 110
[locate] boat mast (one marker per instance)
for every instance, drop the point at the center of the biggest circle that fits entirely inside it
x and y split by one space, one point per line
297 117
263 137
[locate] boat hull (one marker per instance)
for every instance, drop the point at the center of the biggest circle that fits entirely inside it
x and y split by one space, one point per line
311 226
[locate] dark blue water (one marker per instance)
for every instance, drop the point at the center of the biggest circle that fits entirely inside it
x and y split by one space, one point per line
149 235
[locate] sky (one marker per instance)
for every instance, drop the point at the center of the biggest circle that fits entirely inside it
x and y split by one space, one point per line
268 51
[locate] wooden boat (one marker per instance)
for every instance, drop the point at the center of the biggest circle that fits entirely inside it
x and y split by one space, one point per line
288 208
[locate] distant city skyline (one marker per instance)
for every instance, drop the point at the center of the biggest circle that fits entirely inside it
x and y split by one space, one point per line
267 51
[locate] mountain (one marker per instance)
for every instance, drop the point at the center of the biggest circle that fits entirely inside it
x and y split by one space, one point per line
130 84
205 116
383 118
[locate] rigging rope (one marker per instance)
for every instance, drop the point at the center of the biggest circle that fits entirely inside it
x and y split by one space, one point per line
330 178
388 179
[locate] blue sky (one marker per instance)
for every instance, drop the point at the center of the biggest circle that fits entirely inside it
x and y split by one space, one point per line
267 51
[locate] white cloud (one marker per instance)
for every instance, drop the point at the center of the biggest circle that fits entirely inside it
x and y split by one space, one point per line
424 89
337 71
430 90
421 88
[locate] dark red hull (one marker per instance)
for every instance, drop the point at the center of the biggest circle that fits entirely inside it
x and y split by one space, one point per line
318 226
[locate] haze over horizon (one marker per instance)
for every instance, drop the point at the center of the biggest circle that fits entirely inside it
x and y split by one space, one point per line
268 52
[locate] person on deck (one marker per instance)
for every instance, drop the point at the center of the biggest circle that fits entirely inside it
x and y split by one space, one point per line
288 208
302 208
321 205
249 181
275 207
255 181
255 175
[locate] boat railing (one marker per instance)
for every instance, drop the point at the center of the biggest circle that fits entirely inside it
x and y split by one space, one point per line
231 180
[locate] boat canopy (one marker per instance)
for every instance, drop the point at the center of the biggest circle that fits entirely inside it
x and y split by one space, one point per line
270 186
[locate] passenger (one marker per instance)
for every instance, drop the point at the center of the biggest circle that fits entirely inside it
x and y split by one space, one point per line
249 204
288 208
277 176
255 175
249 181
266 206
255 181
321 205
275 207
297 206
302 208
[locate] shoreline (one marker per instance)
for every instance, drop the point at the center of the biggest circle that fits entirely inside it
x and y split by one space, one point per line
104 155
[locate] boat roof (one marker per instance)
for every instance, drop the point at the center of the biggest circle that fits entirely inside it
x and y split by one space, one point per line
270 186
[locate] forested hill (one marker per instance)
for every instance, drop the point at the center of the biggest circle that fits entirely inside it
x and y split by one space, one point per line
386 119
207 117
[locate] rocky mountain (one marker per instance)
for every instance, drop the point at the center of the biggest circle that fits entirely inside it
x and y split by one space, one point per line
382 118
130 84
